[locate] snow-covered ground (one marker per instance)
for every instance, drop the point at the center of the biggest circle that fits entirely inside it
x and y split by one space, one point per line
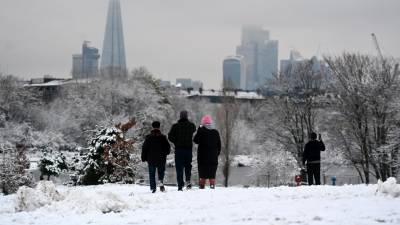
132 204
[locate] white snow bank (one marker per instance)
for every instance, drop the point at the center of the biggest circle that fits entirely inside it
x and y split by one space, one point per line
45 194
95 201
389 187
29 199
315 205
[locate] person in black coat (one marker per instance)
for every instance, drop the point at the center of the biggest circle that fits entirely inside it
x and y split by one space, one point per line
181 135
312 156
209 141
154 151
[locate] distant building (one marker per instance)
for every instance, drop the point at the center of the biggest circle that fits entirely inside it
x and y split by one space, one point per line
90 60
289 66
113 60
77 70
184 83
214 96
196 85
86 65
48 87
234 73
260 56
165 83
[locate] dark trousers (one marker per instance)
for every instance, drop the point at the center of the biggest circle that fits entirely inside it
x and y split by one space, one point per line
152 175
313 172
183 162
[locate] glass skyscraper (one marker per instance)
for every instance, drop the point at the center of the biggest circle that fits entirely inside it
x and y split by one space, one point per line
260 56
113 58
234 73
86 65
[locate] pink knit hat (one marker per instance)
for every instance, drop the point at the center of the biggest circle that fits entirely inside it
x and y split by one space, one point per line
206 120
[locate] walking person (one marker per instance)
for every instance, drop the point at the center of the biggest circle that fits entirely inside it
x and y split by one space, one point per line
209 141
312 156
154 151
181 135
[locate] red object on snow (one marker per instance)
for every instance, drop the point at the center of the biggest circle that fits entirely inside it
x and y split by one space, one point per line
297 178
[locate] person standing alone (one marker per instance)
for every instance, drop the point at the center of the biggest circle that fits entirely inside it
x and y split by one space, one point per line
155 150
312 156
209 141
181 135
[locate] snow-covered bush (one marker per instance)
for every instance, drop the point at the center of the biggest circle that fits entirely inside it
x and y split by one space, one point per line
52 163
29 199
389 187
110 159
13 165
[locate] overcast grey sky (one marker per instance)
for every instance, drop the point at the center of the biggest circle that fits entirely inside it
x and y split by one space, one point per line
188 38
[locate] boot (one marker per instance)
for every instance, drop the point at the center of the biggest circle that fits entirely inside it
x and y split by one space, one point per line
188 185
162 188
202 183
212 183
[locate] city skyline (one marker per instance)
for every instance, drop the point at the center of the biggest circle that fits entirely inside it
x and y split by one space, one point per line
177 39
260 55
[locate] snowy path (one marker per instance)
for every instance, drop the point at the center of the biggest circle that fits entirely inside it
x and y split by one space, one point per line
353 205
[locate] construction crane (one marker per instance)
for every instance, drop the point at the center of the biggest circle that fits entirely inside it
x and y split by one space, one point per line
378 49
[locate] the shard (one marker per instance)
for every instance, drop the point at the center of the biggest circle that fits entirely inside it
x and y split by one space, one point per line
113 58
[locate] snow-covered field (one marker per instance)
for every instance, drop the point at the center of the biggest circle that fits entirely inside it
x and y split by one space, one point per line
133 204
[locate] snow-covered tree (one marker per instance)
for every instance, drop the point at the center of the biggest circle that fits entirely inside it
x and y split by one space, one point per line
368 89
13 165
110 159
52 163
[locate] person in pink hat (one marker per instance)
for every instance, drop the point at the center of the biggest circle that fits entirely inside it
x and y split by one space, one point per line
209 148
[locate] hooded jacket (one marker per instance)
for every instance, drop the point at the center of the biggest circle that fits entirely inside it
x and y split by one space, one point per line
209 146
155 148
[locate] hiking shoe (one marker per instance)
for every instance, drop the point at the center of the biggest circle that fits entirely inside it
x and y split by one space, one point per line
153 191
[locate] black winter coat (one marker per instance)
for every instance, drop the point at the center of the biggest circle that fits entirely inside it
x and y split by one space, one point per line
312 151
209 148
181 134
155 148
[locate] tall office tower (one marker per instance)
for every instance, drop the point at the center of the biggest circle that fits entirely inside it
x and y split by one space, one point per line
113 58
85 65
260 55
77 66
234 73
90 60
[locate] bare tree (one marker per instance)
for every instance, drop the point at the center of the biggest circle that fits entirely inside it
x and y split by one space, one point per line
367 88
227 114
296 106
